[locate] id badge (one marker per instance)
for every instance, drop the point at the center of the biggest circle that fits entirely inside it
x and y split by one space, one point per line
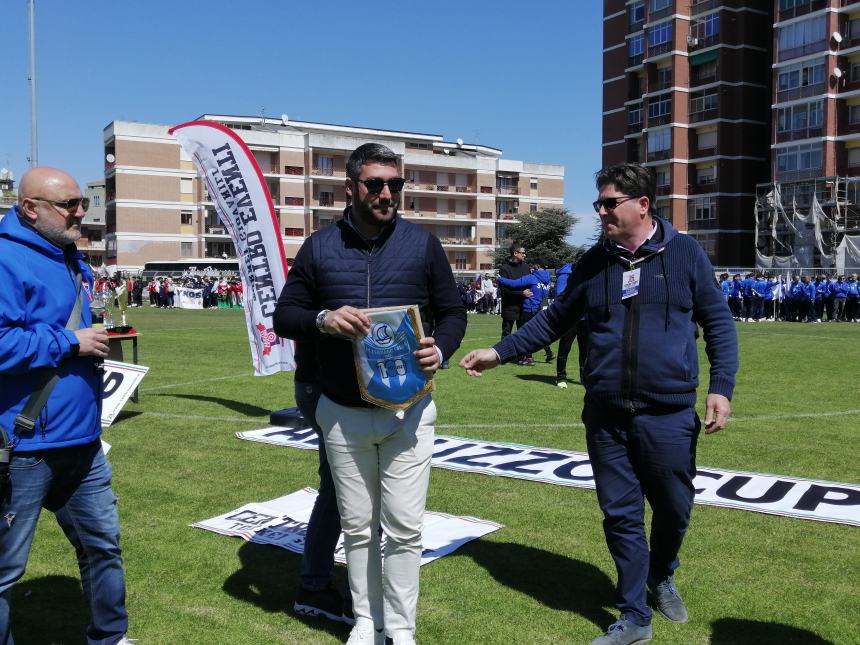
630 283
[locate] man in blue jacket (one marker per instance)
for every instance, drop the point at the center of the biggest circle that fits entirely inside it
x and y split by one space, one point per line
643 289
379 458
537 284
57 460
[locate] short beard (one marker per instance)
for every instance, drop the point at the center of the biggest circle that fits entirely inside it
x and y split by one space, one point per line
59 235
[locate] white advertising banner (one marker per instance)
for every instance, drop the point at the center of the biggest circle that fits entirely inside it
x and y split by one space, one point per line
189 298
236 185
120 381
762 493
283 522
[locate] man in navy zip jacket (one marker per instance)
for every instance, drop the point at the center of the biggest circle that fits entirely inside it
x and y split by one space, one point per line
644 288
379 458
56 463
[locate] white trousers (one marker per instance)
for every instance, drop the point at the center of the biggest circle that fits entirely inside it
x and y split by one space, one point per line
380 464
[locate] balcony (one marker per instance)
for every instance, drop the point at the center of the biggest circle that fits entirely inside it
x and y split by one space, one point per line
706 114
93 245
801 9
508 190
701 6
702 187
663 189
636 59
458 241
325 200
656 155
703 79
663 119
463 189
661 13
294 201
442 188
800 92
215 230
486 190
634 127
324 172
796 135
662 48
294 170
803 50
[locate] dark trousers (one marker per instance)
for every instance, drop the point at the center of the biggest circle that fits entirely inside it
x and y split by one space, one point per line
324 524
647 455
524 318
737 306
508 329
565 344
819 308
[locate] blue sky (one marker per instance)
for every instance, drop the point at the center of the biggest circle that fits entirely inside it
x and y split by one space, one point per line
521 76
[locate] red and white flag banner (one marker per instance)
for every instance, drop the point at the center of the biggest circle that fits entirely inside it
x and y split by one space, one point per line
241 196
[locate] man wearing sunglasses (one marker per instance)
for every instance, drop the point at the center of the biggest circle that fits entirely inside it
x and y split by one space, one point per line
379 459
643 289
57 460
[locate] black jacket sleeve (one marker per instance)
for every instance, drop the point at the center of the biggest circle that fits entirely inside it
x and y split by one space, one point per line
449 314
297 308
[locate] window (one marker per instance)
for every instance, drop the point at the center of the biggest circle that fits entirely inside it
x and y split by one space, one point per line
635 49
326 198
702 209
660 106
533 207
533 183
185 250
325 165
657 5
800 75
707 29
634 116
802 157
663 212
706 140
294 232
704 73
854 158
809 33
636 13
664 78
703 102
854 74
185 185
185 217
853 114
706 175
800 117
659 140
96 236
97 200
660 38
661 177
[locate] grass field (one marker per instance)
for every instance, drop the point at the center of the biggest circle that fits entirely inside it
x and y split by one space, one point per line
546 578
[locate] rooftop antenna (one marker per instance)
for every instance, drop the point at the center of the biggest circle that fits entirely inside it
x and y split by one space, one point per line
34 133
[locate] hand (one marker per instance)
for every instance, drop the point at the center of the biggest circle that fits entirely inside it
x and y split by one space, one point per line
92 342
348 322
528 293
718 409
478 360
428 357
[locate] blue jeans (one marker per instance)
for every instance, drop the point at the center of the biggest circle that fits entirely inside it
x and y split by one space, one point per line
647 455
73 483
324 524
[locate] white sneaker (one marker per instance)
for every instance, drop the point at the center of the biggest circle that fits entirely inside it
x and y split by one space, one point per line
125 640
364 633
403 637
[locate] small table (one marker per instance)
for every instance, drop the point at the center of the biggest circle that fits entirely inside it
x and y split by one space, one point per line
115 352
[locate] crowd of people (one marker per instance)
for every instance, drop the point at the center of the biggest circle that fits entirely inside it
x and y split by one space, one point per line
761 297
221 292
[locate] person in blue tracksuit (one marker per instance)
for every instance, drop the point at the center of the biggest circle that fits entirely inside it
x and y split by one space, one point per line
57 461
644 288
770 297
537 283
793 296
725 286
852 299
759 287
748 286
820 289
578 331
839 289
736 301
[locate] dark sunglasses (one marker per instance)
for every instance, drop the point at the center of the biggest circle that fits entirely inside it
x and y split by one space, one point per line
395 185
610 203
70 205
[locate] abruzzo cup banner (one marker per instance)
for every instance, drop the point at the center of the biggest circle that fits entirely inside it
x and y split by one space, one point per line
283 522
773 494
241 195
388 374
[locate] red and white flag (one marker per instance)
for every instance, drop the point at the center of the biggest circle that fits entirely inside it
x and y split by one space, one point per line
242 200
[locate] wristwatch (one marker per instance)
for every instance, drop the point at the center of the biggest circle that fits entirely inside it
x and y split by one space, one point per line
321 320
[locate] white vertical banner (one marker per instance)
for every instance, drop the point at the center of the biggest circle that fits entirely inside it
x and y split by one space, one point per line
241 196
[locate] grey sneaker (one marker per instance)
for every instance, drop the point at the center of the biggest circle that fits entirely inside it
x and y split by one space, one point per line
667 599
624 632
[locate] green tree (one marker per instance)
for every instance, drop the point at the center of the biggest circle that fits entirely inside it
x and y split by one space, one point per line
544 235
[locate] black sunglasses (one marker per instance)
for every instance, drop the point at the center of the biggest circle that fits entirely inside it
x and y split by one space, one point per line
395 185
610 202
70 205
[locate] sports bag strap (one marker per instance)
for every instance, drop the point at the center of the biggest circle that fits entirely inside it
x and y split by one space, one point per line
25 422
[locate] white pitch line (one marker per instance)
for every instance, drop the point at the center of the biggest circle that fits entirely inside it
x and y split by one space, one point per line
195 417
183 383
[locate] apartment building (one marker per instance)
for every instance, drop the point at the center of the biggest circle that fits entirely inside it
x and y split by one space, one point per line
8 197
807 212
686 91
92 242
466 194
